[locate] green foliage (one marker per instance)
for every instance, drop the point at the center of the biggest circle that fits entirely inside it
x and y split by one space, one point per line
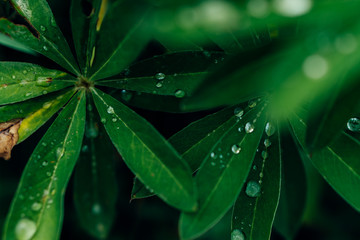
279 83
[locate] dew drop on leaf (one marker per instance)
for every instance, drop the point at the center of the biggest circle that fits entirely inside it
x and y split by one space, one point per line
42 28
213 155
160 76
96 208
25 229
43 81
249 127
354 124
238 112
103 120
267 142
45 48
110 110
126 95
264 154
159 84
114 119
45 163
236 234
253 189
235 149
179 93
59 152
252 104
36 206
269 129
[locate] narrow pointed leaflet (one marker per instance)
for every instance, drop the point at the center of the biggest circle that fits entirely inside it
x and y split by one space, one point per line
37 210
338 162
45 36
255 208
95 186
148 155
223 173
22 81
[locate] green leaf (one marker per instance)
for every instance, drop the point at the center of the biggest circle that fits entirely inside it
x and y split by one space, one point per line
22 81
255 208
122 34
34 112
37 209
168 74
45 36
84 16
148 155
11 43
330 115
293 194
205 133
338 162
223 173
95 186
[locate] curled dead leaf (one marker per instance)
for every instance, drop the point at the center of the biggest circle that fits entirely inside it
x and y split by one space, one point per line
8 137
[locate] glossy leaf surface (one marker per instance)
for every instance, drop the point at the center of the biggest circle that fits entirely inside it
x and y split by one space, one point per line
118 44
169 74
95 186
45 37
255 208
38 203
337 163
34 112
150 157
223 173
22 81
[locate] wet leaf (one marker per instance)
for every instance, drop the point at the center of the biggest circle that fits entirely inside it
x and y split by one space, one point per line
45 37
22 81
167 74
39 199
337 163
95 186
148 155
255 208
223 173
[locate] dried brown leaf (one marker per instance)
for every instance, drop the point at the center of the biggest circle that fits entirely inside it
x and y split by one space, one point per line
8 137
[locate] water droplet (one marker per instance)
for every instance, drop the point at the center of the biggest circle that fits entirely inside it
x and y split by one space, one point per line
264 154
207 54
103 120
28 94
235 149
354 124
249 127
213 155
24 72
47 105
53 22
315 67
240 129
13 76
160 76
213 164
252 104
25 229
45 163
159 84
114 119
44 144
253 189
59 152
48 174
43 81
110 110
236 234
45 48
269 129
36 206
238 112
42 28
267 142
179 93
292 8
91 131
